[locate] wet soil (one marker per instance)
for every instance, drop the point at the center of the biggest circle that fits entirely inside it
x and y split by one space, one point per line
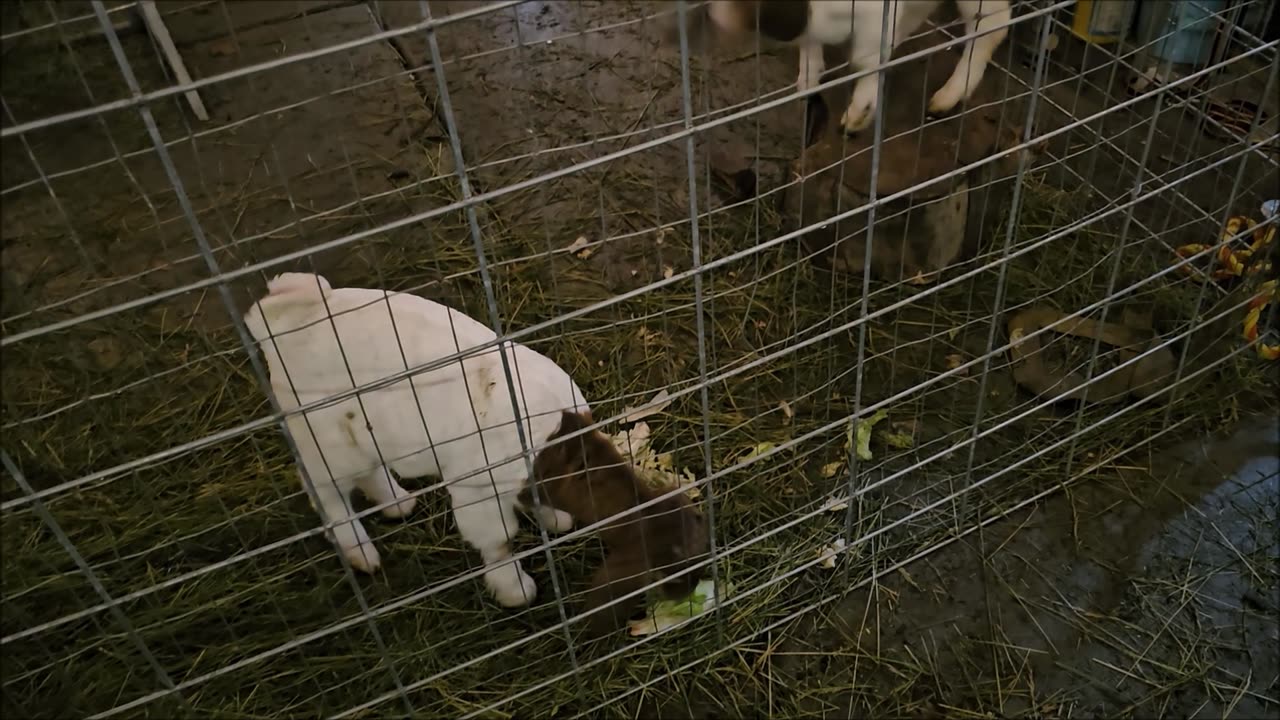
1151 590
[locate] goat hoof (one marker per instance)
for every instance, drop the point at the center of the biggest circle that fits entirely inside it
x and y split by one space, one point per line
941 105
517 594
561 521
854 122
364 558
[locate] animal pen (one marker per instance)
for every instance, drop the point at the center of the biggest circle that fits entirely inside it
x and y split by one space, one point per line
903 457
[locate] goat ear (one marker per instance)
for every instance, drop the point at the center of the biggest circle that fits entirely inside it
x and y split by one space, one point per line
781 21
622 573
565 457
572 422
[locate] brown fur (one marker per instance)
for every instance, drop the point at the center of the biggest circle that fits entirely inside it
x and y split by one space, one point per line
588 478
781 20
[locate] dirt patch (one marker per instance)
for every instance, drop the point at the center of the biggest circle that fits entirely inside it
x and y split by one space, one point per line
229 585
1148 592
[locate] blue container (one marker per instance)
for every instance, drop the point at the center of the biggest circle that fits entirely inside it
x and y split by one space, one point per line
1186 29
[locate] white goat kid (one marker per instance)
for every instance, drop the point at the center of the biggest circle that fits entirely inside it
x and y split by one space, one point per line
447 423
811 25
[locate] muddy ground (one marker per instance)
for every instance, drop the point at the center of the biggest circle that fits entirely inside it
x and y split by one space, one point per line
1148 593
1152 588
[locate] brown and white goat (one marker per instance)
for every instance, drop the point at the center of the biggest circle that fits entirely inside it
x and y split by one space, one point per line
450 422
589 479
816 23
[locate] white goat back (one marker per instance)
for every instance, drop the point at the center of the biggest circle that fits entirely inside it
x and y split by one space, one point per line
325 341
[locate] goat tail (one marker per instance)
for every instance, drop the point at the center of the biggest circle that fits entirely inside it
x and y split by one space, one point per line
285 292
294 288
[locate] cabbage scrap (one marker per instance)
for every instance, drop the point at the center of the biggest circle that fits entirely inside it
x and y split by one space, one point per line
656 469
669 613
862 431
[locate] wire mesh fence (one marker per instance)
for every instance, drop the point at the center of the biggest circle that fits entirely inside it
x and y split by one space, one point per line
851 353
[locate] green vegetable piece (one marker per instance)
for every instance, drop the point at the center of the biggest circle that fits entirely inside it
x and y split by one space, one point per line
899 440
863 434
666 613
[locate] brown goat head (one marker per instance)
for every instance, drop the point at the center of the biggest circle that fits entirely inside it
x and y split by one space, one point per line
588 478
779 20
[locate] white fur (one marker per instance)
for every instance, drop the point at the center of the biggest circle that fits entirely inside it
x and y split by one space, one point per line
832 22
344 446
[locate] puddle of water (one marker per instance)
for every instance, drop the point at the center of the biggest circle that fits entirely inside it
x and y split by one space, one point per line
1245 472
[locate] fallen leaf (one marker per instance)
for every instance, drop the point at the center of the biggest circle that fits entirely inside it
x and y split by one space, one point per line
690 491
830 469
687 480
222 48
655 406
648 337
862 431
829 553
906 576
955 361
898 440
657 470
107 352
758 450
580 249
633 442
837 505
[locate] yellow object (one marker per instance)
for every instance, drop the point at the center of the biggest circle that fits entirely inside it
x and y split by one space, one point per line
1233 261
1266 295
1102 21
1234 255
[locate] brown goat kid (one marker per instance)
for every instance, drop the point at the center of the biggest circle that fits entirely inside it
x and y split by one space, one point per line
588 478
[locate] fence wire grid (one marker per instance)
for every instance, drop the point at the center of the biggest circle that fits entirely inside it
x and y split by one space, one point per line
930 489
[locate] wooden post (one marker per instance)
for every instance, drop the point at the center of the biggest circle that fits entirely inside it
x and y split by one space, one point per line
155 26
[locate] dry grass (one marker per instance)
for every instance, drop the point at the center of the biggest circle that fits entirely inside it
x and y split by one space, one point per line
180 516
298 628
